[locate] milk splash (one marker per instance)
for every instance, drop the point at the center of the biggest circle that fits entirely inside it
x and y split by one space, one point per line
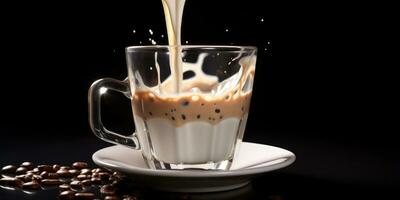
173 11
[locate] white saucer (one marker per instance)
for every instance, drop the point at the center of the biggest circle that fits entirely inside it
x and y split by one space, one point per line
252 160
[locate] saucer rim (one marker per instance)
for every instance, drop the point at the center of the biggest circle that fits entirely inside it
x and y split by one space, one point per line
193 173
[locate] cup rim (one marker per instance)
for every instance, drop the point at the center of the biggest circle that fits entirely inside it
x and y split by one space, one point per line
223 48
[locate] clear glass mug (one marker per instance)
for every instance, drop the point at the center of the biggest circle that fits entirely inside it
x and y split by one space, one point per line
189 119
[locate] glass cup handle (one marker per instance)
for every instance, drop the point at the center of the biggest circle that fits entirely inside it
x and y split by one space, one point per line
97 89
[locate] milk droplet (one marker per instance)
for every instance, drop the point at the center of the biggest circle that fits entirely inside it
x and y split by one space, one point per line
162 36
134 31
268 42
262 20
153 42
151 68
226 30
140 42
151 32
187 42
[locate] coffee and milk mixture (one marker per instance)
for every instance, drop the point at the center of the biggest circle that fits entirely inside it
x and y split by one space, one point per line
195 120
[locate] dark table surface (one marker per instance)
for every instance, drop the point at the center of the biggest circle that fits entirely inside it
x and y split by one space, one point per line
322 170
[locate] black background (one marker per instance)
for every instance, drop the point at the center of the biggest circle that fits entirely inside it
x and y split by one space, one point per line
314 91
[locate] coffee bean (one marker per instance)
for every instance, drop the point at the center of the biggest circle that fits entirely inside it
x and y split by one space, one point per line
53 176
104 176
21 170
86 183
95 181
36 170
96 175
76 185
11 182
79 165
46 168
65 167
111 197
22 177
67 195
33 185
129 197
51 182
9 169
64 187
56 167
74 172
27 165
107 190
98 170
86 171
83 177
37 178
44 174
64 173
84 195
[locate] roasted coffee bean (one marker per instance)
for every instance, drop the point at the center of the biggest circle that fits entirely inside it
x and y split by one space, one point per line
76 185
46 168
83 177
64 187
67 195
65 167
36 170
44 174
21 170
84 195
37 178
51 182
104 176
11 182
95 181
27 165
53 176
86 183
21 177
74 172
64 173
129 197
107 190
96 175
9 169
79 165
86 171
97 170
118 174
32 185
113 197
56 167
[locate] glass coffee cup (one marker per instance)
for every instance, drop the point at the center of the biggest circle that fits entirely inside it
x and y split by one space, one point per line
188 117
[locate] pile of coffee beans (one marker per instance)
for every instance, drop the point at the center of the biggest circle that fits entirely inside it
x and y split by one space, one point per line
77 181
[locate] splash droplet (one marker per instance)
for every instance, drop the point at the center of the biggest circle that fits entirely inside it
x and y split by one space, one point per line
262 19
226 30
187 42
151 32
134 31
162 36
153 42
151 68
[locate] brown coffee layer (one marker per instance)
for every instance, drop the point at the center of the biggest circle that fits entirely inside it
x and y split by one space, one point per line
187 108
